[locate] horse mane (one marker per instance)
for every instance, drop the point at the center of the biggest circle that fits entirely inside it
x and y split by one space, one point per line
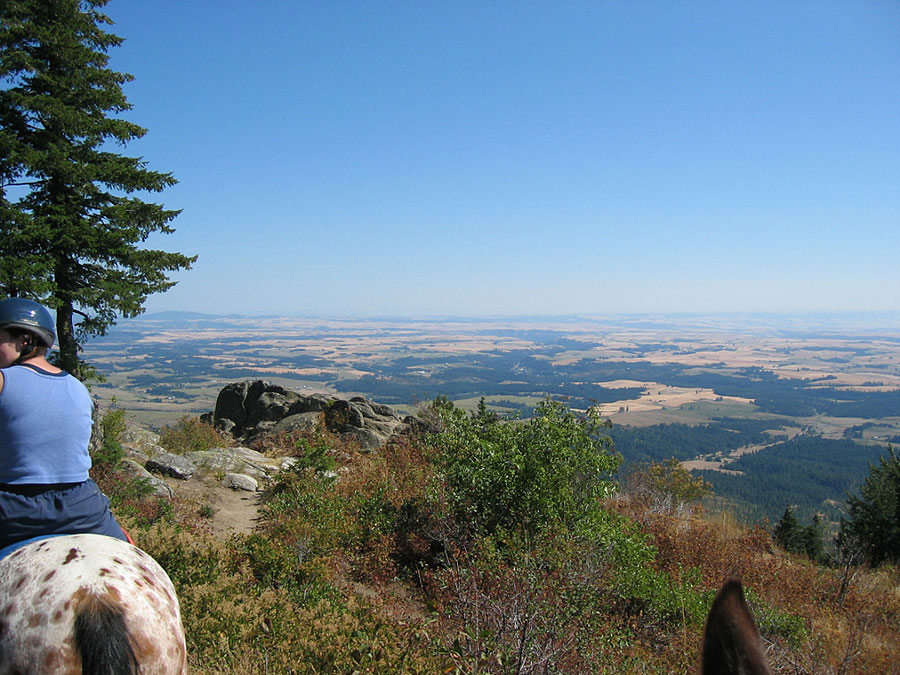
731 642
102 639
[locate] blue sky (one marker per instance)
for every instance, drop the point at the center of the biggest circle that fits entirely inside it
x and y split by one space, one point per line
433 158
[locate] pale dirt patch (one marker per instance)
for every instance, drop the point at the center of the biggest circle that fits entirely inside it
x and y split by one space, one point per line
749 450
709 465
720 464
660 397
232 511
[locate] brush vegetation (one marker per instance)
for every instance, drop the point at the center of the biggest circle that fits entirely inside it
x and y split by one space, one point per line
495 546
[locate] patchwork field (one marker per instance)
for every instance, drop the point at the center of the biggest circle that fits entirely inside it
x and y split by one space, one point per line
714 392
162 366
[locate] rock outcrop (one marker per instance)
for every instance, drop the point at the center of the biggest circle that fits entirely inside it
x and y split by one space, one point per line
242 467
248 410
251 408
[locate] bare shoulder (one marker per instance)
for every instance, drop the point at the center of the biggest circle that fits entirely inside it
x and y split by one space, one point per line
1 380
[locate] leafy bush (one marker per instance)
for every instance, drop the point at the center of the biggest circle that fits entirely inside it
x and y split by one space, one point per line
313 454
528 476
252 604
775 622
510 608
107 456
666 486
191 434
305 513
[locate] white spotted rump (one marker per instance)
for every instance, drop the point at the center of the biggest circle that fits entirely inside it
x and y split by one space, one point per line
45 585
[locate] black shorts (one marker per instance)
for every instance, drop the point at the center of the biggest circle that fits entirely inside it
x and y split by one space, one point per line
32 511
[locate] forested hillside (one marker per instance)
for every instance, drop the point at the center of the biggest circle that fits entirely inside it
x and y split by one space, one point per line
682 441
813 474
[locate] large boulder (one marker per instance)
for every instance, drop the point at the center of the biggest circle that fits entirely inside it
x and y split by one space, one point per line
176 466
235 460
249 409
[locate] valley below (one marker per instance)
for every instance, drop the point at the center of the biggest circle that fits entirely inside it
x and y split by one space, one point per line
771 410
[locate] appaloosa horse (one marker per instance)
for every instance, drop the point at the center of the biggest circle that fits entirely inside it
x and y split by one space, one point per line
87 603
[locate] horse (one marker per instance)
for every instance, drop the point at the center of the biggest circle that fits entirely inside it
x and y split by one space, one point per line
88 603
731 641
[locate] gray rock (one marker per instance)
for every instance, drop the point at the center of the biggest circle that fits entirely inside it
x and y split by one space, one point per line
343 416
305 421
136 455
315 403
249 409
240 481
272 405
224 425
230 404
263 427
139 442
160 487
137 436
288 463
367 439
235 460
168 464
417 425
384 410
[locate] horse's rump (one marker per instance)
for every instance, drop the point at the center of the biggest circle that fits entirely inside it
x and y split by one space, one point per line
88 602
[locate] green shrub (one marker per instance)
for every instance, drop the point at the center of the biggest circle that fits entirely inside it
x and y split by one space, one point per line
127 494
107 456
191 434
873 525
776 622
528 476
313 454
277 565
244 611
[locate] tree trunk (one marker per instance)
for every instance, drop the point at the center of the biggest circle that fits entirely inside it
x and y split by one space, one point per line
65 337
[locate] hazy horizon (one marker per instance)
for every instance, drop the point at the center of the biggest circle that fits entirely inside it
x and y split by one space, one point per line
480 159
838 322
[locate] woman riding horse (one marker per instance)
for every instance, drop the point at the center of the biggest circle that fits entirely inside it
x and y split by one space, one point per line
45 429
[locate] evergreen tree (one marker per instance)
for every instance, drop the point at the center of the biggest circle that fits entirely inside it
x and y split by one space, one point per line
795 538
71 228
788 532
874 520
814 540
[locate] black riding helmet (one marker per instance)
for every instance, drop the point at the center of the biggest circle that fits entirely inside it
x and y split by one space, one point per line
28 315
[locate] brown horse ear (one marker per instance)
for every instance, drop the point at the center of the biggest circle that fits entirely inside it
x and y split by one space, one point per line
731 642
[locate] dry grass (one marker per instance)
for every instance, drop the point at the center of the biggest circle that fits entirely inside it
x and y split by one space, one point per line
860 634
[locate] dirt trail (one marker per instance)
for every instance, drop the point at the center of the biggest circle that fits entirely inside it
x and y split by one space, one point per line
229 510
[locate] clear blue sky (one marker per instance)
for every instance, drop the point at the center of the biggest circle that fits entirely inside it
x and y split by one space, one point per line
413 158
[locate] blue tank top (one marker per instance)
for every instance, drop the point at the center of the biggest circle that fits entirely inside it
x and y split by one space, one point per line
45 427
